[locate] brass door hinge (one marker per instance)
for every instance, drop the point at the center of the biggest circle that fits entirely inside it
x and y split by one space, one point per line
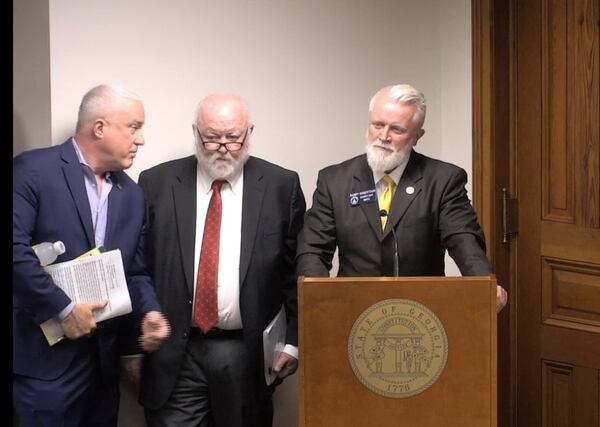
510 216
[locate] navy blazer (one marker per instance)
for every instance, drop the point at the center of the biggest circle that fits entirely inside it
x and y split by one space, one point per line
430 213
273 208
50 203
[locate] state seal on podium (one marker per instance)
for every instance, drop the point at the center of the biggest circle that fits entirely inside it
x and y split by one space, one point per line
397 348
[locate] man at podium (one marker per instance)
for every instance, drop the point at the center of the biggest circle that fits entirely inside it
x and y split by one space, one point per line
392 211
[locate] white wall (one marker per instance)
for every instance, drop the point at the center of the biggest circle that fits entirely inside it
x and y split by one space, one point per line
454 103
307 69
31 75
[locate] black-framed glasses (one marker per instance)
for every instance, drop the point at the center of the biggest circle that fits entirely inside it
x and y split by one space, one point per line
213 142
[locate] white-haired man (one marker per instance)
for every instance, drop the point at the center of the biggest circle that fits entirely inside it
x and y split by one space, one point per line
77 193
222 241
358 202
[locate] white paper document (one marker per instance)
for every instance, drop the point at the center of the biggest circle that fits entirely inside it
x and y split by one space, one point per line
273 343
87 279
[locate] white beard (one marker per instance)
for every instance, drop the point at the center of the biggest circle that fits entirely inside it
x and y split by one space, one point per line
222 166
383 159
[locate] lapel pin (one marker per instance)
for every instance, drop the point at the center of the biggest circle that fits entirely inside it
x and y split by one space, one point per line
410 190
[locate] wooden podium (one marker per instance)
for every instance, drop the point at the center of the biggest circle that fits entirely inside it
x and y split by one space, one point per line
338 315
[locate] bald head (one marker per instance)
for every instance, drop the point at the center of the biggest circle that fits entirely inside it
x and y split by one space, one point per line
222 109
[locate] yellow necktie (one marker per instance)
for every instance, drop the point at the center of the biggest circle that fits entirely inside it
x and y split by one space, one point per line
385 200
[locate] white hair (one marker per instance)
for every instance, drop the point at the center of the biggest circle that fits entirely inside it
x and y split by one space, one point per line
404 94
101 100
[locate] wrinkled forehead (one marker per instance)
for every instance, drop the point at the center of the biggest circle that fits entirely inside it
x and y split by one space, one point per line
224 115
392 110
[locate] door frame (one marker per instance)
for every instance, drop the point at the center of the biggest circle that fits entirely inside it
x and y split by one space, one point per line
493 41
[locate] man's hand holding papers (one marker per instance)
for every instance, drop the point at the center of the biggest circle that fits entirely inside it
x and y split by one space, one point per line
80 322
284 365
96 283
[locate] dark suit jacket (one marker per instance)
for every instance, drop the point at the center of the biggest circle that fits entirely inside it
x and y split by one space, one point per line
434 217
273 207
50 203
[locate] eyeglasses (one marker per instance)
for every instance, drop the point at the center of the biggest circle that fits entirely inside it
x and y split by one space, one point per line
212 142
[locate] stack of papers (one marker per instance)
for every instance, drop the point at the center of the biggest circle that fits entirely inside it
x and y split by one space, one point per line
273 343
87 279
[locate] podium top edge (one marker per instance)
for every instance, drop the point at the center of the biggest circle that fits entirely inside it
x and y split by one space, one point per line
400 279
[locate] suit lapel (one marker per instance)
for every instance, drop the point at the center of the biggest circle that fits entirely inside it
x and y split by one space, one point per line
363 180
115 204
254 191
407 190
75 182
184 205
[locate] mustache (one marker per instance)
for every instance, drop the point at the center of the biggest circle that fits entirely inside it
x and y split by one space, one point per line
383 147
213 157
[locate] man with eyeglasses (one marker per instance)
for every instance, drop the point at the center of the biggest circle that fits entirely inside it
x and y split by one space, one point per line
222 228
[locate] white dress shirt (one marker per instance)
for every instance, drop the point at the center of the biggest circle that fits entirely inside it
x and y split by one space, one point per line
228 282
230 241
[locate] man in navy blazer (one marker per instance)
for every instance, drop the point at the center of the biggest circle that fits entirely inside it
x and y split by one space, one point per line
429 211
216 377
77 193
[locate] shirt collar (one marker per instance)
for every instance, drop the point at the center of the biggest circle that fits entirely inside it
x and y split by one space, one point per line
87 169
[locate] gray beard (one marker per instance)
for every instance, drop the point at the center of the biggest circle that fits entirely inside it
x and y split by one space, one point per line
382 161
222 167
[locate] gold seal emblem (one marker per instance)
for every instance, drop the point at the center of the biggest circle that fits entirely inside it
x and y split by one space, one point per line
397 348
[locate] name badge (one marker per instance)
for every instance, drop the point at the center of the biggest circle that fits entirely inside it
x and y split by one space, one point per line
362 197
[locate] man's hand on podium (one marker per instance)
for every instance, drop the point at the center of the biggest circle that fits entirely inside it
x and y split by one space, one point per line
501 298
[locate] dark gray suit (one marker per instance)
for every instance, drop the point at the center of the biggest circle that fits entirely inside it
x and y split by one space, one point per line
273 207
430 213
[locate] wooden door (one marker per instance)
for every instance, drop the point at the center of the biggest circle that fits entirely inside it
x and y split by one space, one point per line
556 75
